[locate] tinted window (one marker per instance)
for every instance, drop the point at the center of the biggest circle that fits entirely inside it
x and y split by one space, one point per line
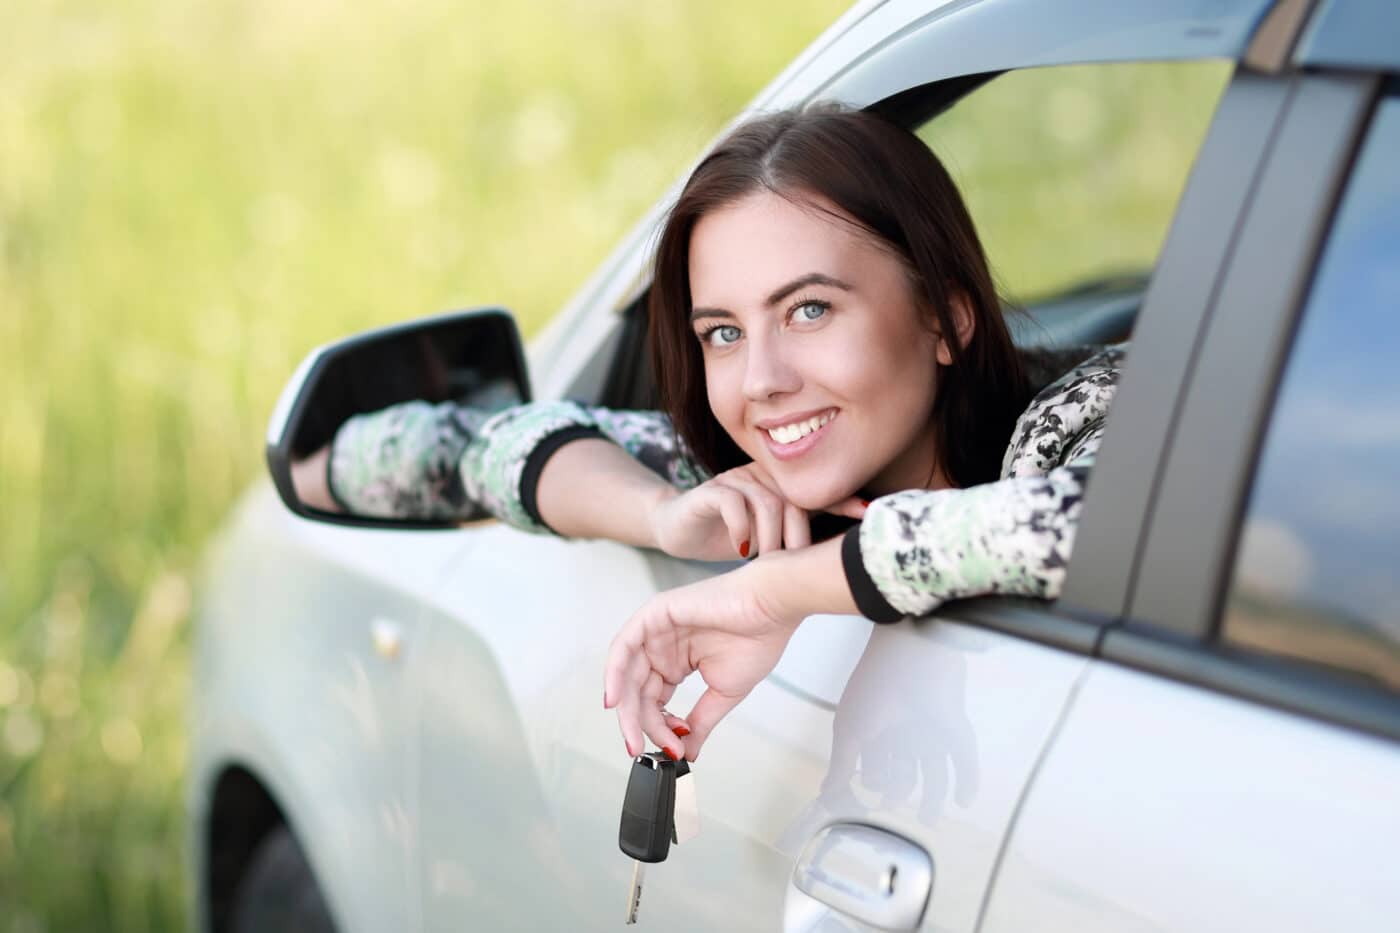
1318 569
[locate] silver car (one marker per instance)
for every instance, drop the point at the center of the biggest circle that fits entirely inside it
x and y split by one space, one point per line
400 727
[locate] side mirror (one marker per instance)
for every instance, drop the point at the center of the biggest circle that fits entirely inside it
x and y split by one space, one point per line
473 357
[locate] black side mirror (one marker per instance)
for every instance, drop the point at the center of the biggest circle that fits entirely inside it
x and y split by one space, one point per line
473 357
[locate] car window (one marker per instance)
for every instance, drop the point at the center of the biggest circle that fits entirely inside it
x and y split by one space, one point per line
1315 575
1072 173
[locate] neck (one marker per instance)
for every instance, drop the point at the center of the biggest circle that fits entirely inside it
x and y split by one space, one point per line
919 467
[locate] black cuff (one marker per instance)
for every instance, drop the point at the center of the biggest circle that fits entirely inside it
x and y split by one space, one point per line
871 603
330 486
534 465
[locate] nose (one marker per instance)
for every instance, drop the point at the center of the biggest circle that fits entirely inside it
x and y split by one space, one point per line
767 371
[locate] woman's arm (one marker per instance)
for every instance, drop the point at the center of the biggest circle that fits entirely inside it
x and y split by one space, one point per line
592 488
559 467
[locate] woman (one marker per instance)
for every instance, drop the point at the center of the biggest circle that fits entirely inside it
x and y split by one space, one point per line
826 337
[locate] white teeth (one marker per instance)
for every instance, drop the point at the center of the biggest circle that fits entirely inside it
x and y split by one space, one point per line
788 433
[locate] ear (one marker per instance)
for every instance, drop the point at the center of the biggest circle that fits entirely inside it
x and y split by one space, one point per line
960 309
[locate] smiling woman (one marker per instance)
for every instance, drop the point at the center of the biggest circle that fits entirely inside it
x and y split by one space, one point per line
825 333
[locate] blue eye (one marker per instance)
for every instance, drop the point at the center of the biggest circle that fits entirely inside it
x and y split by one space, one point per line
722 336
810 310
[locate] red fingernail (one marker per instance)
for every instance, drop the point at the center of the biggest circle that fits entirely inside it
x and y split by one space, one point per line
865 502
681 731
744 549
670 754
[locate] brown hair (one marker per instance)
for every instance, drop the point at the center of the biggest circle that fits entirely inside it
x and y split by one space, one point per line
892 186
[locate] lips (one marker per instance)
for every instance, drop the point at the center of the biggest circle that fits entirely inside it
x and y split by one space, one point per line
790 437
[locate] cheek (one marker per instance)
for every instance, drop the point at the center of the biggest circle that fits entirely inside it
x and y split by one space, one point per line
725 396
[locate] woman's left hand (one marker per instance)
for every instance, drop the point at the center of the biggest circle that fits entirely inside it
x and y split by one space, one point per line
732 628
722 628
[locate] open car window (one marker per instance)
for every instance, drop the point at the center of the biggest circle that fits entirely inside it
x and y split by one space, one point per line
1072 175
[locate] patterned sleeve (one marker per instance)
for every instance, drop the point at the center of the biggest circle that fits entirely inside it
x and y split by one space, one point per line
451 461
917 549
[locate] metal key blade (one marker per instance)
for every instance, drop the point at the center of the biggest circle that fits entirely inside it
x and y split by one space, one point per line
634 893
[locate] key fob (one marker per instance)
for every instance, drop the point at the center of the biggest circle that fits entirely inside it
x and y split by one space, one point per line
648 808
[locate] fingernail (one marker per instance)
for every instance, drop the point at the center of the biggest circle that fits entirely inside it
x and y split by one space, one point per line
670 754
744 549
865 502
681 731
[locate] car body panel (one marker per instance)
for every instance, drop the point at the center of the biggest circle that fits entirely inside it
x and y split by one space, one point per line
1162 806
294 688
937 729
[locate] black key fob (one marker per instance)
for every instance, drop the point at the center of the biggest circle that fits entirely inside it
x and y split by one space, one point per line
648 808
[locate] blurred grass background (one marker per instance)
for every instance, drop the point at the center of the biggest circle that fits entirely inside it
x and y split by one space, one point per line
193 195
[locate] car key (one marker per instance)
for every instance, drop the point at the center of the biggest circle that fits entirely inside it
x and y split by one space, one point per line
648 813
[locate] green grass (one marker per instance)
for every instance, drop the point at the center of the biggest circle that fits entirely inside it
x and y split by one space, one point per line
193 195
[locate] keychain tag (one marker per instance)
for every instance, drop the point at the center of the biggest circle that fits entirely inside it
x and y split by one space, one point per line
685 824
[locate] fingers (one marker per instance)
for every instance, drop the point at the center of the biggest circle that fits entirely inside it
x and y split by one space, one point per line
675 723
707 712
767 510
797 531
654 724
734 510
853 507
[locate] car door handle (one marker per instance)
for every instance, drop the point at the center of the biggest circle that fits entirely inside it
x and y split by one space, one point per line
866 873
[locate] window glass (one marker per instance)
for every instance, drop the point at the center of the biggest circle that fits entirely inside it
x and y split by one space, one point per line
1072 173
1318 569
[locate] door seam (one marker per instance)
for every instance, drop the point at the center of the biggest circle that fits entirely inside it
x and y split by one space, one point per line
1040 758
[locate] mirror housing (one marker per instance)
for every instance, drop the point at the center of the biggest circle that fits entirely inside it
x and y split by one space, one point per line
472 356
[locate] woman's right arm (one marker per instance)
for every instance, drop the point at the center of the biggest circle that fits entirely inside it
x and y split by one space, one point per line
556 466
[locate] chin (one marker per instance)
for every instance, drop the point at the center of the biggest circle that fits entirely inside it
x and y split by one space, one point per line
817 493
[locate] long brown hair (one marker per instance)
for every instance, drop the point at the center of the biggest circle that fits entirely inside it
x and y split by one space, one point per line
885 180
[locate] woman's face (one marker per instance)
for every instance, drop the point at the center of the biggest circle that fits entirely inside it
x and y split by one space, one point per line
818 360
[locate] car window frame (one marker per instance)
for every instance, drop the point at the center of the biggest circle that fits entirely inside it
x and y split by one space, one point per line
1183 571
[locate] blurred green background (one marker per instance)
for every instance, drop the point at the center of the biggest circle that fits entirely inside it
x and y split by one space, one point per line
194 195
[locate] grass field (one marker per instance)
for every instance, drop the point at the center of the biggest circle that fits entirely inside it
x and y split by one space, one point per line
193 195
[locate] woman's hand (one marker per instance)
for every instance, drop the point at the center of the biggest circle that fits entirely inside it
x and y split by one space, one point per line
731 628
740 513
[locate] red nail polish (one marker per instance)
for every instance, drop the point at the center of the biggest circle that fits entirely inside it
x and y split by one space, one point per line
744 549
865 502
670 754
681 731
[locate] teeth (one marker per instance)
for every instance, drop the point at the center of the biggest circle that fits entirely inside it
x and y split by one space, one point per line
788 433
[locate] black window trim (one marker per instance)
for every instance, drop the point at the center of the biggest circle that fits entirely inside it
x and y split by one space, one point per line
1188 562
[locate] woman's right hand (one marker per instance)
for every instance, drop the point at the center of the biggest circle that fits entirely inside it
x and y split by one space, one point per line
739 513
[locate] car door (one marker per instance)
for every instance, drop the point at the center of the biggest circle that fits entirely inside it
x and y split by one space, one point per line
1232 762
928 733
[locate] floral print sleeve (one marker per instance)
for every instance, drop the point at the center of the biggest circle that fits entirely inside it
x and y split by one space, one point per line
451 461
917 549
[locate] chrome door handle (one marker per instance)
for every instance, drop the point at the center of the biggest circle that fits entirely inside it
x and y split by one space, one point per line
866 873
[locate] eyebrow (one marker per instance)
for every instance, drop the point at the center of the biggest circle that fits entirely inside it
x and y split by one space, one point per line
778 294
